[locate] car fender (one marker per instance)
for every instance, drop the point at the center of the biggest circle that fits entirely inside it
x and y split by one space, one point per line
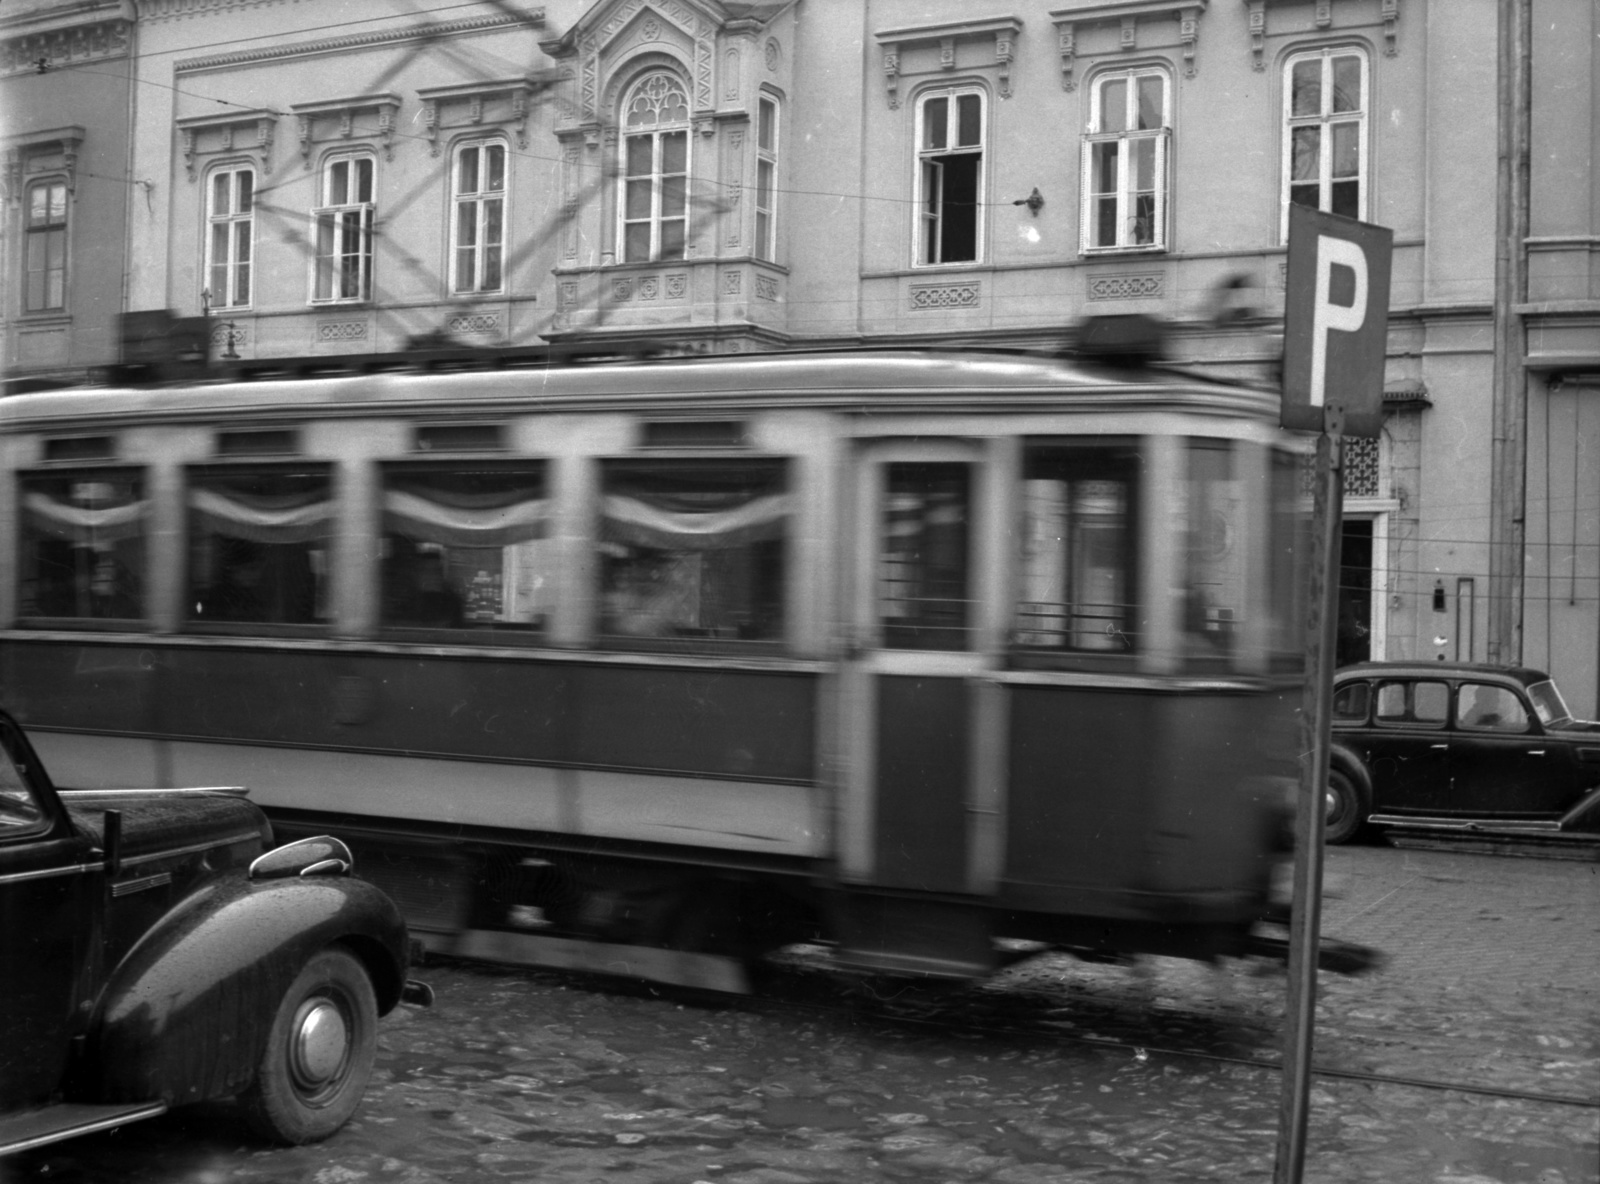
1345 759
185 1016
1585 812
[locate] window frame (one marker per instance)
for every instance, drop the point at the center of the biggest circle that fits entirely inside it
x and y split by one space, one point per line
393 474
45 232
197 476
657 218
231 220
765 199
138 478
1410 719
1115 460
922 237
325 208
1124 193
1324 120
481 199
770 477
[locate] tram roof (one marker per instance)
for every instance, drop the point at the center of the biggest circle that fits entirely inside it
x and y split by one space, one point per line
886 381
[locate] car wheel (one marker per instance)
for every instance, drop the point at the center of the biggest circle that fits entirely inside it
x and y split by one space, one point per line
318 1055
1344 814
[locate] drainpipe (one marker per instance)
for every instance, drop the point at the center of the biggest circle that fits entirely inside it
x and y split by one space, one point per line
1509 452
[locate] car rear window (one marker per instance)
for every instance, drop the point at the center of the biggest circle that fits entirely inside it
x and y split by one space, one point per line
1350 703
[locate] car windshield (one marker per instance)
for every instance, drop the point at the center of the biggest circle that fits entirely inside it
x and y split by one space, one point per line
1549 704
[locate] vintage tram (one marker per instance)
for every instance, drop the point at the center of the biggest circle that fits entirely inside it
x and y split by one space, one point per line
656 665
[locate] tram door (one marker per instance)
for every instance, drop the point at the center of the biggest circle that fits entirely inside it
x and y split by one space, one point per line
920 720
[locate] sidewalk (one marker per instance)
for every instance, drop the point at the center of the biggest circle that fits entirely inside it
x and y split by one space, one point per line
1450 919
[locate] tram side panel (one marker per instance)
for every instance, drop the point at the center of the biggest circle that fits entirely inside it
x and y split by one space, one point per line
1143 819
713 764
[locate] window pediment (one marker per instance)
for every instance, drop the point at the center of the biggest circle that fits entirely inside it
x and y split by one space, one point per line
337 120
1315 15
613 34
503 102
45 150
1130 16
249 131
1001 31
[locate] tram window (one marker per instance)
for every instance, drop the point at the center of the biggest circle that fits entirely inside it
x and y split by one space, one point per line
466 547
1213 563
693 549
258 545
1290 547
1078 543
923 576
83 544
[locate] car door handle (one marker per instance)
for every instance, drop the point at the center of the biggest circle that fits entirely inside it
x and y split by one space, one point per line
1536 752
1440 747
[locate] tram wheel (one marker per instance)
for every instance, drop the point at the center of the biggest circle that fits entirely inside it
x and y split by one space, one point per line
1343 804
319 1053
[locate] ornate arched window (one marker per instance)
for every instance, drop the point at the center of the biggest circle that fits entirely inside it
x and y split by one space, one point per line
655 169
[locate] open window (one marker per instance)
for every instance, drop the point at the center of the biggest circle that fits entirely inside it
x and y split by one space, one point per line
950 146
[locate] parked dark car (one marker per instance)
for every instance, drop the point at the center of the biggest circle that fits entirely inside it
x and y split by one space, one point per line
1458 746
151 955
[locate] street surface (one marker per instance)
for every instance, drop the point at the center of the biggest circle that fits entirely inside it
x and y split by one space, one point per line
1055 1072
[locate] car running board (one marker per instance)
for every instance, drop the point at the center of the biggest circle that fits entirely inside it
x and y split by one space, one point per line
1470 825
50 1124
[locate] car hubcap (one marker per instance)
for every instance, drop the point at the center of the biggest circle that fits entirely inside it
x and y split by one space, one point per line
321 1043
1332 801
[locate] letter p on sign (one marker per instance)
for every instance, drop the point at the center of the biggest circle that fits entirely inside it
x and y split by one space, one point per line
1336 321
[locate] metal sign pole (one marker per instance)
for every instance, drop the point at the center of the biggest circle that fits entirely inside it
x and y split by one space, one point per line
1305 923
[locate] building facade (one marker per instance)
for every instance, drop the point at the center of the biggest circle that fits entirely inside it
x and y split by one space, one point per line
724 176
66 106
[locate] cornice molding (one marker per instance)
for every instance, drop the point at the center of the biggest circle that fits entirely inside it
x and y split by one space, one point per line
67 45
418 32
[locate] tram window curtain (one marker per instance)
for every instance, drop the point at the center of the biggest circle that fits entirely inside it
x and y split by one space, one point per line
466 547
258 545
694 549
83 544
1078 589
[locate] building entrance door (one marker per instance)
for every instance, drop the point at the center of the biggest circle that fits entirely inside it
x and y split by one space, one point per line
1355 592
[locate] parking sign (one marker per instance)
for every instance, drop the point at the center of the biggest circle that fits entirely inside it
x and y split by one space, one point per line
1336 321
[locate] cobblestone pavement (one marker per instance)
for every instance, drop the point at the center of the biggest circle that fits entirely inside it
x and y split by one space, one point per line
1055 1072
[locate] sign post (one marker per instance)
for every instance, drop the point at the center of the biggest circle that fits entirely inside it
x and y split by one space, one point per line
1336 319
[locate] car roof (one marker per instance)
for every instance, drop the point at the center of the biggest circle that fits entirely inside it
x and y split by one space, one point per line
1521 674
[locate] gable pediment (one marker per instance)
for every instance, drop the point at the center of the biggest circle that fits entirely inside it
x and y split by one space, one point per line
613 33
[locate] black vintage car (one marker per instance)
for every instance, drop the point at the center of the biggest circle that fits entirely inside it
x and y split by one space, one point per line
151 955
1457 746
